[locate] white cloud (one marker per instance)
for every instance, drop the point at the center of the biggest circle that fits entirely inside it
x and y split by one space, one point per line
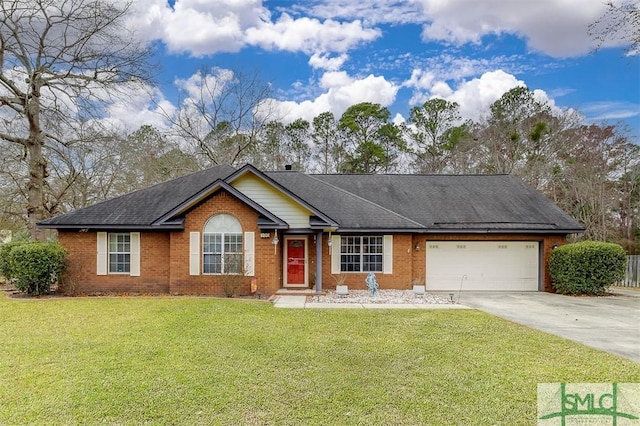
342 91
141 105
476 95
603 111
370 11
205 86
203 28
199 27
325 62
555 27
309 35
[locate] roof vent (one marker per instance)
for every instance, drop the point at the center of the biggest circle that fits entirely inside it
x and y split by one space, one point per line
288 167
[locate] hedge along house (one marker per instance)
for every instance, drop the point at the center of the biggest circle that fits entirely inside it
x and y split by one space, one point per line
286 229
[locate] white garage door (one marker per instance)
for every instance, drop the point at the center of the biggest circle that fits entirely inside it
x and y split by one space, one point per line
482 265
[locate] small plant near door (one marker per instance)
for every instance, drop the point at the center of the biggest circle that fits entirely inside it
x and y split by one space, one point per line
235 275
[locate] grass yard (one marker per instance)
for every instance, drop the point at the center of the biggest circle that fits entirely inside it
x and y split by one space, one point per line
189 361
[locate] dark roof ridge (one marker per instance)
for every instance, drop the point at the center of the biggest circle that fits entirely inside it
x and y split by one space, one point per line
410 174
367 201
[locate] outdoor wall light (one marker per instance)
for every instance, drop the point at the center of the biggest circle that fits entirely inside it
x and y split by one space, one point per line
553 247
417 246
275 240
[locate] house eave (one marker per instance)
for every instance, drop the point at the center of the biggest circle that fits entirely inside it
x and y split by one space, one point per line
458 231
503 231
115 227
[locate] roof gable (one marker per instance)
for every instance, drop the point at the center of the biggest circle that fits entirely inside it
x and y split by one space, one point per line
268 219
279 199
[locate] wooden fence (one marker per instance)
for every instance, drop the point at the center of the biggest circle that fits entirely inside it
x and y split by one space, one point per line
632 276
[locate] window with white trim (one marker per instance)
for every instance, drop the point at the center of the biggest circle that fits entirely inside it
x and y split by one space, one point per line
361 253
222 245
119 253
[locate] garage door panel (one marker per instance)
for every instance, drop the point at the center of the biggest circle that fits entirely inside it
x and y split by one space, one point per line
487 265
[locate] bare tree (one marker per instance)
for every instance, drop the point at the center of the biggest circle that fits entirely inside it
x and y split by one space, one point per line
619 23
222 114
59 60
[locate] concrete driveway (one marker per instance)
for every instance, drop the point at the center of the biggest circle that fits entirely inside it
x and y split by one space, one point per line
608 323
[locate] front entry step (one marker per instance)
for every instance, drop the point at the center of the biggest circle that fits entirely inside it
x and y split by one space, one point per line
297 292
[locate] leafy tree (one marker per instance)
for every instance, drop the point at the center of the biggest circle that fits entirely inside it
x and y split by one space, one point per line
148 157
328 143
366 126
298 149
585 178
514 130
270 153
431 129
58 61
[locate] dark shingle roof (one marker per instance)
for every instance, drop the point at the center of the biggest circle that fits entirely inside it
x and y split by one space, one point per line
459 201
140 208
410 203
347 209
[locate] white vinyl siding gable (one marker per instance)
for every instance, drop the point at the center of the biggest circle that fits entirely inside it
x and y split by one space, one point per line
273 200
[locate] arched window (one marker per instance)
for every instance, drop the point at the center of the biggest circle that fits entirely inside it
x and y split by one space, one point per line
222 245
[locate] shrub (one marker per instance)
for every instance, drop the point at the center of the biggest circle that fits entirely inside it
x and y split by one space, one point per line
5 264
587 267
32 266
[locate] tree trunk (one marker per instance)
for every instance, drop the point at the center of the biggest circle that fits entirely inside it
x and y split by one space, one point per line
37 163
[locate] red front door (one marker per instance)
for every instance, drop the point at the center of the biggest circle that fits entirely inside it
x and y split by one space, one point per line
296 257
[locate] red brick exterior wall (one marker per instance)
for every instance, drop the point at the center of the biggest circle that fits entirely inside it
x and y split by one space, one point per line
81 276
164 258
409 262
267 270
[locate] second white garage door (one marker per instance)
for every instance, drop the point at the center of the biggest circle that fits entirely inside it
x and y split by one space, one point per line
487 265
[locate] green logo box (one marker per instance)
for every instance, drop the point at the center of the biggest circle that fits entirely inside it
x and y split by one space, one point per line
568 404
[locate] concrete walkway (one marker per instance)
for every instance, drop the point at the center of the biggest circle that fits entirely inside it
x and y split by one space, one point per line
300 302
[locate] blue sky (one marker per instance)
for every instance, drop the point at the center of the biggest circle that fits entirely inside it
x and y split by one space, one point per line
323 55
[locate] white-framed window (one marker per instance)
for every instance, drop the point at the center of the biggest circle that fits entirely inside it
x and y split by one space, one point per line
119 253
361 253
222 245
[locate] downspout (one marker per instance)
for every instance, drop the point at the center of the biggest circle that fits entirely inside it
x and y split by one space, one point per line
319 262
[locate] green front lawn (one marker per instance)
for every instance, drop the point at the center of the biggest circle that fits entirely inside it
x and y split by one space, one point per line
209 361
